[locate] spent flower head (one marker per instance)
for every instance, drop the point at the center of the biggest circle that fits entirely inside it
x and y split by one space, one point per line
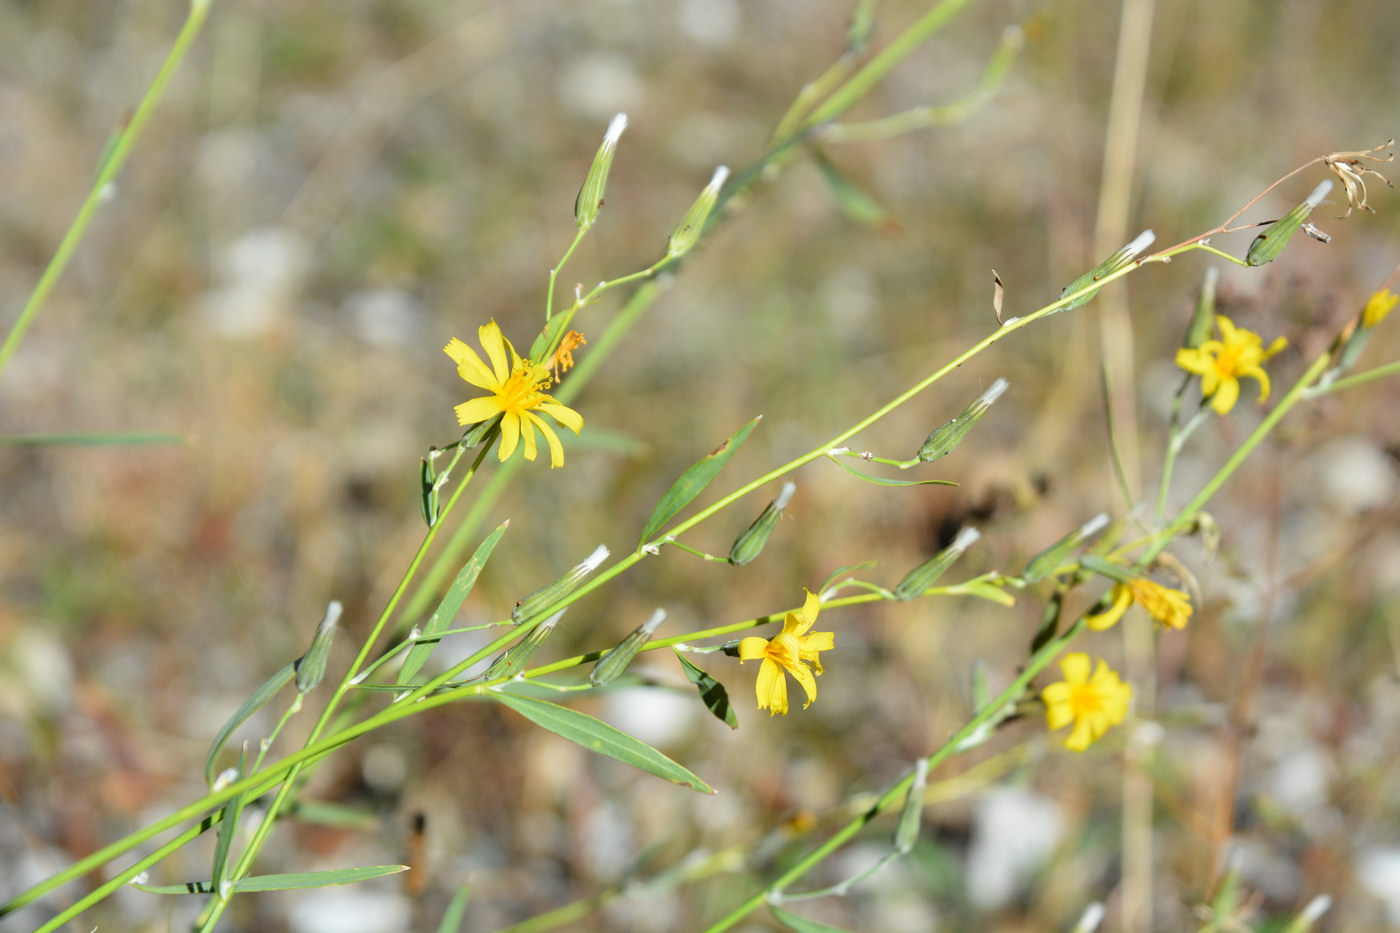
1168 607
1222 363
1091 701
1348 167
517 388
791 650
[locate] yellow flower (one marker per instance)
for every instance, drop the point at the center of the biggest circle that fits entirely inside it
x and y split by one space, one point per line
790 650
1380 305
1171 608
1091 702
1221 363
517 393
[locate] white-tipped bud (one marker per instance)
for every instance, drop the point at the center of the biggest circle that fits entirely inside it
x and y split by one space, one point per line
1315 909
692 225
1125 255
512 661
1091 918
225 778
611 665
547 596
654 623
590 197
1140 243
1093 526
1049 560
945 439
312 666
753 539
923 576
1318 193
785 495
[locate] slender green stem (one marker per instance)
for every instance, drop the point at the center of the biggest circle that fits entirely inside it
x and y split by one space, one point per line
114 158
554 273
1174 443
1352 381
1222 254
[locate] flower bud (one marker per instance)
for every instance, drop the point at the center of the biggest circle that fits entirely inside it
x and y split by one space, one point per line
945 440
1119 260
687 232
750 544
924 575
611 665
590 196
1044 563
545 597
512 661
1270 243
1199 330
312 665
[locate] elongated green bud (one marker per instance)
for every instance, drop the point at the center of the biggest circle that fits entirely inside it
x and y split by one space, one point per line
429 492
1199 330
1119 260
312 666
590 196
907 832
1044 563
924 575
750 544
1270 243
545 597
687 232
513 660
611 665
946 439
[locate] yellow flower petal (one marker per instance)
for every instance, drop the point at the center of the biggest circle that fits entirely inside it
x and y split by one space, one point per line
564 415
510 434
494 343
556 449
1224 397
1122 599
478 410
771 688
1076 668
752 648
805 679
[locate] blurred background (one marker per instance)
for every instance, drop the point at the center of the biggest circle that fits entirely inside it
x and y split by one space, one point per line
329 193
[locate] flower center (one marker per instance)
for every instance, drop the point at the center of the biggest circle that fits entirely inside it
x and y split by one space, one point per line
521 390
785 649
1085 700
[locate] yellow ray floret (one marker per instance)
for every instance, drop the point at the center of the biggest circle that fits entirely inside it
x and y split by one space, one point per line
1222 363
517 388
1170 608
1091 702
791 650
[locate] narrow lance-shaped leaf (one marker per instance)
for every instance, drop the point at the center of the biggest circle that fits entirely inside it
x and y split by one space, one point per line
285 882
802 924
228 827
447 609
881 481
456 911
854 202
257 701
693 481
597 736
712 692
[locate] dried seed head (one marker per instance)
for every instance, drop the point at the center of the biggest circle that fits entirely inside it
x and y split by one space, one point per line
1348 167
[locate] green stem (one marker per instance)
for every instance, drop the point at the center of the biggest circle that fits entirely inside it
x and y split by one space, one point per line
1361 378
115 158
554 273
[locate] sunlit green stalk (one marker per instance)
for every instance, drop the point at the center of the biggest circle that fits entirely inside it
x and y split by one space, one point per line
114 159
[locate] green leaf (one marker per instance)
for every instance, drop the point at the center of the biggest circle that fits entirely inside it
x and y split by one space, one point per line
288 882
802 924
831 577
333 815
96 438
227 827
254 703
712 692
447 609
881 481
548 335
596 735
693 481
854 202
452 917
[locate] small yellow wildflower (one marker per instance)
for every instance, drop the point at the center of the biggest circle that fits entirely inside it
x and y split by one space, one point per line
790 650
1380 305
1092 702
1171 608
517 393
1221 363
